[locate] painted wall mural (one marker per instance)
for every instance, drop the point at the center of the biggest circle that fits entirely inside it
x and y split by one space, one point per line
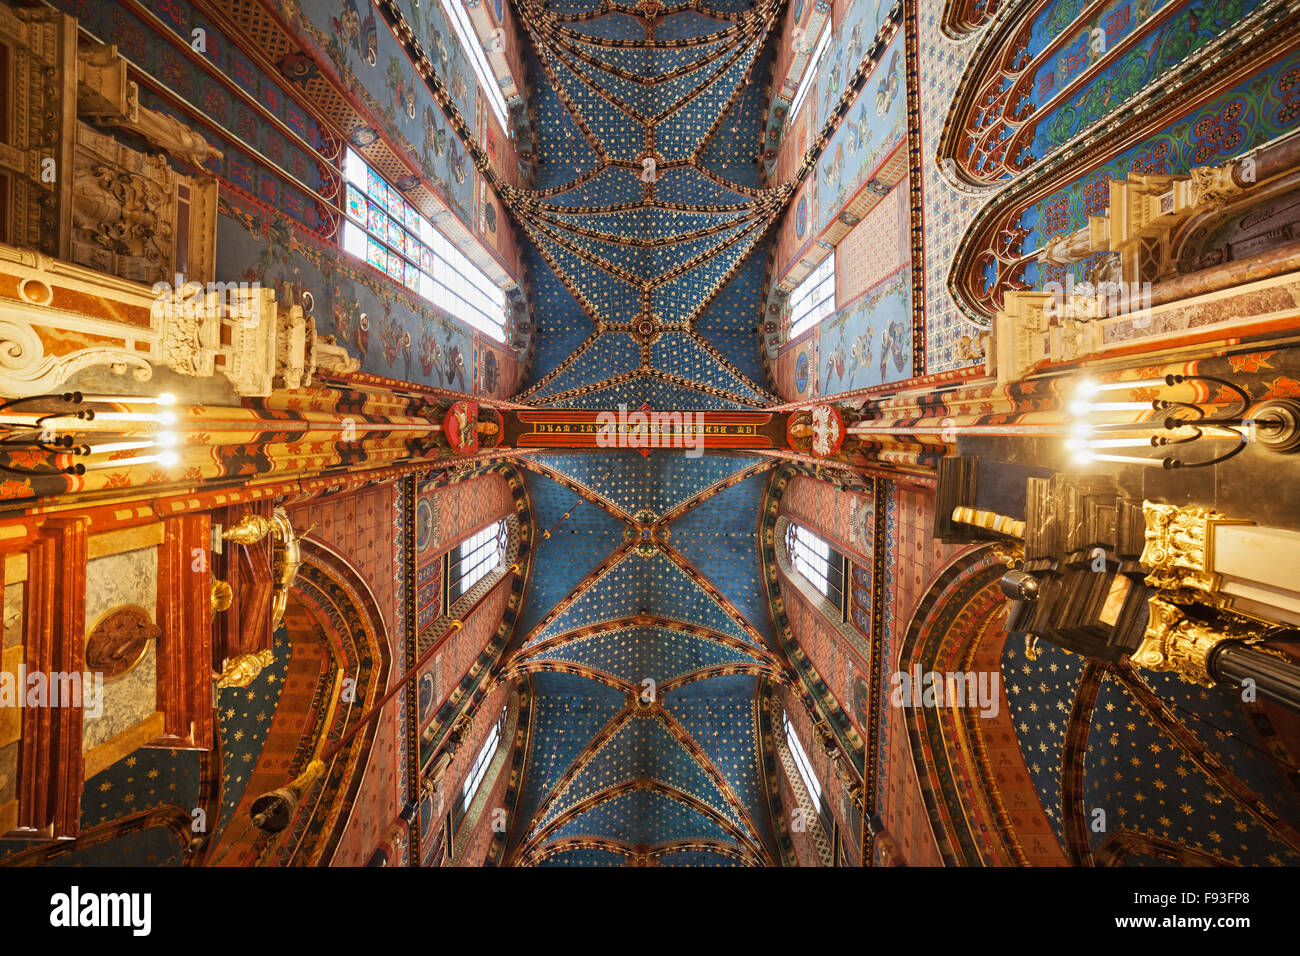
372 65
158 39
855 29
872 129
869 341
799 226
264 168
1246 116
946 211
864 149
1249 115
797 375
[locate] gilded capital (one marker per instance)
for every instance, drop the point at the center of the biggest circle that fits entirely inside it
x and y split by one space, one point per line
241 671
1179 550
1214 186
1175 642
221 596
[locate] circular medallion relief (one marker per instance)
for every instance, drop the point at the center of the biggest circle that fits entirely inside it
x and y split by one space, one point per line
119 639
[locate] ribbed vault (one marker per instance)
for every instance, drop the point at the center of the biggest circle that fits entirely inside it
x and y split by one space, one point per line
645 633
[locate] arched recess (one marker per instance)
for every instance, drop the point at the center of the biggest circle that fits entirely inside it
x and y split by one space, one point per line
518 750
485 669
465 840
805 683
963 18
977 792
810 685
1185 87
339 651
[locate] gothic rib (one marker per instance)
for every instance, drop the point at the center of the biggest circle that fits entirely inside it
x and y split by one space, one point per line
743 840
720 670
579 390
574 49
646 202
714 490
672 378
712 351
654 851
567 363
586 631
1124 843
719 780
637 242
751 231
718 597
587 307
584 757
618 555
577 487
558 23
532 666
734 53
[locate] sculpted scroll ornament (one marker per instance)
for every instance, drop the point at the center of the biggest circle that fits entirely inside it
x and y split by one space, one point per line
252 528
1073 247
1213 186
107 96
25 369
119 640
186 336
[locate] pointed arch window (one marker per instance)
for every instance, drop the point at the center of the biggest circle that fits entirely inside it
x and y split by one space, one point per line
804 766
810 70
481 763
474 49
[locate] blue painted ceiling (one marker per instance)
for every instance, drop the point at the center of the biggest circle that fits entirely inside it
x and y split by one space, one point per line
648 291
647 566
646 570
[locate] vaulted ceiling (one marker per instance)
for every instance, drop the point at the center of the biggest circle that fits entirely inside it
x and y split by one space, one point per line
645 642
645 631
648 290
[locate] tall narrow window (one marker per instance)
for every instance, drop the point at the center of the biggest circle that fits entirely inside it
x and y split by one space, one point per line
386 231
810 781
481 762
472 559
820 564
810 70
464 28
814 298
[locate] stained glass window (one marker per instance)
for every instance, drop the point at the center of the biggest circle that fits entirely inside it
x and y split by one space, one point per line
391 235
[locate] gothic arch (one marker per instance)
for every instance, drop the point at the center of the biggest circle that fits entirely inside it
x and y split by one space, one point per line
335 634
976 819
807 683
1125 113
